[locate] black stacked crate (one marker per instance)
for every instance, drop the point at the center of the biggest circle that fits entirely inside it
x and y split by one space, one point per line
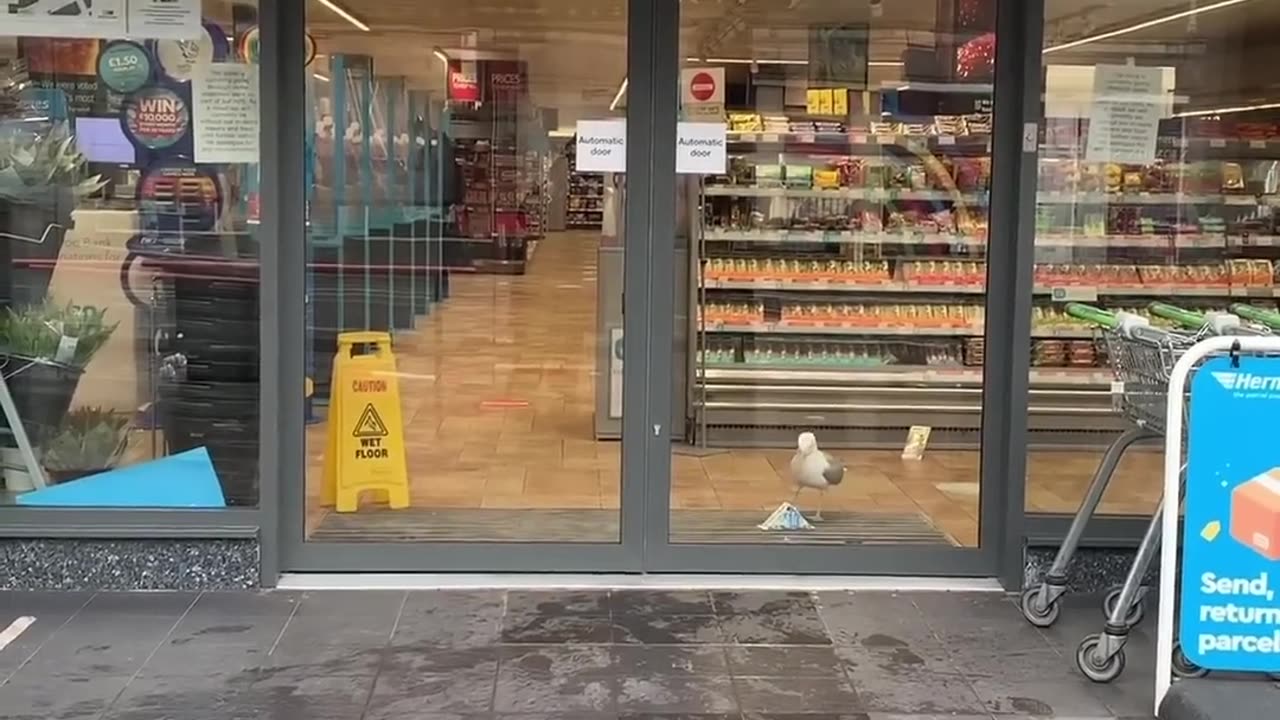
213 401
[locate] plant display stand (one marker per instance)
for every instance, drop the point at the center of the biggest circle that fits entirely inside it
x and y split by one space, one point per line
19 432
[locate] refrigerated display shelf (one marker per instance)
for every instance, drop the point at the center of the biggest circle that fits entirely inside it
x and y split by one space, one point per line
959 289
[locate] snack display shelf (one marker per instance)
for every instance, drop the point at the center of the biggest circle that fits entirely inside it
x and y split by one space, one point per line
845 193
978 142
1154 241
1153 198
924 374
961 289
972 330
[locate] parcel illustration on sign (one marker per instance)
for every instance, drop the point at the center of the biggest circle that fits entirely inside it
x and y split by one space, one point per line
1230 616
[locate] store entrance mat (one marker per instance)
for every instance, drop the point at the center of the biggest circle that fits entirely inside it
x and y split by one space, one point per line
601 526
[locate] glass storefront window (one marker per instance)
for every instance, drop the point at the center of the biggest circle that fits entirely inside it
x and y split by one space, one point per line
128 256
1159 179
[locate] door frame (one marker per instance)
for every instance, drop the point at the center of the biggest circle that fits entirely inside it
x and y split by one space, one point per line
1016 105
653 63
287 302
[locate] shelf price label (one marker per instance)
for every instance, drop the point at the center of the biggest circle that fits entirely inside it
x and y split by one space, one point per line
1074 293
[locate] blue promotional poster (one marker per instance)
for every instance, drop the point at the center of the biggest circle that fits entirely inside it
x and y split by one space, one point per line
1230 615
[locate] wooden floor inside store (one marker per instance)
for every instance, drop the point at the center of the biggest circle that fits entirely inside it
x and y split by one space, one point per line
498 391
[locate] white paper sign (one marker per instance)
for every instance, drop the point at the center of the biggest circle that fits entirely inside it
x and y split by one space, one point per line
225 100
700 148
602 146
170 19
142 19
1125 117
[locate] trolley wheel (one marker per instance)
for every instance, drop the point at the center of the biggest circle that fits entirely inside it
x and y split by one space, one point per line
1036 612
1131 618
1183 667
1098 669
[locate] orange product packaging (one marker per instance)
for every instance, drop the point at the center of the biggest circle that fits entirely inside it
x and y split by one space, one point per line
1255 514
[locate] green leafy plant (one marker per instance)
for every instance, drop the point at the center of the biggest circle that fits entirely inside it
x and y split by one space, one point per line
38 331
37 162
90 438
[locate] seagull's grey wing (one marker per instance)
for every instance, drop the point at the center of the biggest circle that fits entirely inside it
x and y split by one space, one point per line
833 473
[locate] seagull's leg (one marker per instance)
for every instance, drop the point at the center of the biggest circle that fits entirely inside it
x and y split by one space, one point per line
796 495
822 495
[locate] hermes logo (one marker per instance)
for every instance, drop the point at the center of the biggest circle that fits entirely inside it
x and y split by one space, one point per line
1247 381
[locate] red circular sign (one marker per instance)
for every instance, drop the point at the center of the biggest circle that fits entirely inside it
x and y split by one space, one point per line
702 86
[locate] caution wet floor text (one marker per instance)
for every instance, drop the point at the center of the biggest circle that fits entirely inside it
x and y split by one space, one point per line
365 449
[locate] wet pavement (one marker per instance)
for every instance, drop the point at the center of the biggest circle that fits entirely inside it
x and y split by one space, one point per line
446 655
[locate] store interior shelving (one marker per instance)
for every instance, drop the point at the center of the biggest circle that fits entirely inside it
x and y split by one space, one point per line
840 276
584 206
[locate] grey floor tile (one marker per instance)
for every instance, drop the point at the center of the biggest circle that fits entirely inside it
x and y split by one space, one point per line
61 697
348 656
219 628
450 619
540 629
398 695
791 661
522 692
352 605
661 602
764 601
181 694
439 661
671 694
97 653
793 695
240 604
775 629
896 716
559 602
651 660
667 629
1047 699
916 694
682 716
39 603
811 716
555 660
888 617
154 605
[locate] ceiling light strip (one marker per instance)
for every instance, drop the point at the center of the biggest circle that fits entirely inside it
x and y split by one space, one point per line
1228 110
342 13
1142 25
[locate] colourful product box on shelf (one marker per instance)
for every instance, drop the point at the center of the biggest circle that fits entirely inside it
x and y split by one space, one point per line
1255 514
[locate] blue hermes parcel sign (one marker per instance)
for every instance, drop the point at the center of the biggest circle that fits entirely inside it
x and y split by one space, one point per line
1230 615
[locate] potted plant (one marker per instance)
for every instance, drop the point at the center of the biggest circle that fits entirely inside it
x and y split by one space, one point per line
89 441
44 349
42 178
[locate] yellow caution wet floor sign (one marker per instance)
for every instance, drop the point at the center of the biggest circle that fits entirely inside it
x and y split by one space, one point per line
365 449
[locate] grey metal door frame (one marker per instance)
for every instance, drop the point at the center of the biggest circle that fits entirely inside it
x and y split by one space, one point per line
1008 320
653 67
287 310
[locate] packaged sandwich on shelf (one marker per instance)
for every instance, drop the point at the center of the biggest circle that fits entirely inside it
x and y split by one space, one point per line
745 122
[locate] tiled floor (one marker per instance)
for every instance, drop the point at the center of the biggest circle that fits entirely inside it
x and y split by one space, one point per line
549 655
498 388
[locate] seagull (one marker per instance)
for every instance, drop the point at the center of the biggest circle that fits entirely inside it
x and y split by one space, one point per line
812 468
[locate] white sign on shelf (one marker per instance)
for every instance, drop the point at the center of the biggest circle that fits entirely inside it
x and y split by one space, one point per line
225 97
1125 117
601 146
701 148
109 19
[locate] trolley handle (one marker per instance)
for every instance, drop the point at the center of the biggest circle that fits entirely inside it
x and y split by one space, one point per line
1266 318
1096 315
1188 319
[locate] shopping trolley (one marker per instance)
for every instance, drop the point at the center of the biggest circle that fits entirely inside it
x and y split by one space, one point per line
1141 356
1141 402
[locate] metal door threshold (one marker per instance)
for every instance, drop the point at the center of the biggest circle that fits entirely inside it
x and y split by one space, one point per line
554 581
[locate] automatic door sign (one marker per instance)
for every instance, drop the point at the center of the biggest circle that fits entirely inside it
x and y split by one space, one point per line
1230 612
